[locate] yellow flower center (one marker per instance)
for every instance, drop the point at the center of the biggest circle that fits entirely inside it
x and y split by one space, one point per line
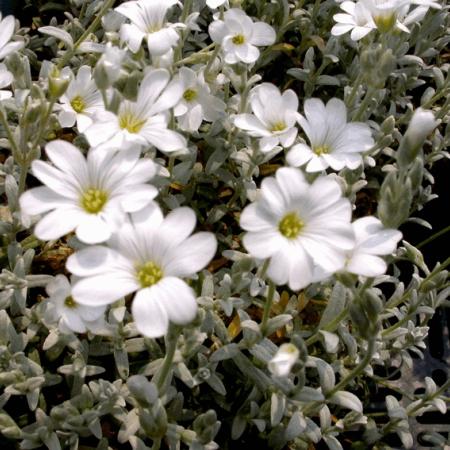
148 274
78 104
321 149
291 225
69 302
385 22
190 95
278 126
128 121
93 200
239 39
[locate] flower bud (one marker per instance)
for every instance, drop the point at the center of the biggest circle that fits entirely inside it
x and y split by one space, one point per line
421 125
281 364
57 83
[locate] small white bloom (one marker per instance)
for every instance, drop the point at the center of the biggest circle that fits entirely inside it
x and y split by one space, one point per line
422 124
372 241
215 3
197 103
274 116
7 26
90 196
148 20
333 142
81 101
150 254
143 122
286 356
298 226
358 19
239 36
110 65
6 78
386 13
71 315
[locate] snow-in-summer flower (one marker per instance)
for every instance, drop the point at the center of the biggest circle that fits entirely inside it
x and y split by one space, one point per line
286 356
298 226
7 25
274 117
6 79
357 19
148 20
143 122
70 315
239 36
81 101
333 142
89 195
149 255
372 241
215 3
197 103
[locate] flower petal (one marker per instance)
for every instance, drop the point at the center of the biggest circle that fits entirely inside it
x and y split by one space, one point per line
149 315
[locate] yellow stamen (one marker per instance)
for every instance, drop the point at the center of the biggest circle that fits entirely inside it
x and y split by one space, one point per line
69 302
278 126
290 225
148 274
128 121
190 95
239 39
78 104
321 149
93 200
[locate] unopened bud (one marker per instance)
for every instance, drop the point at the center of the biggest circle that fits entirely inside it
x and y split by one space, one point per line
286 356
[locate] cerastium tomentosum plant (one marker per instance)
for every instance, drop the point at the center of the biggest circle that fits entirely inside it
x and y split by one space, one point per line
203 237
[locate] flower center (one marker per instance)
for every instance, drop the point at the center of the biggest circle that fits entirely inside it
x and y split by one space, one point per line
128 121
239 39
69 302
148 274
93 200
321 149
190 95
278 126
385 22
78 104
290 225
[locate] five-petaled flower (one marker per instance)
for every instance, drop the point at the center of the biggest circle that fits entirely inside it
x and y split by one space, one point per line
149 255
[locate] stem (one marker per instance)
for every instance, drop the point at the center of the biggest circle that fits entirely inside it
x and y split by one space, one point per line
69 53
9 134
267 307
351 98
156 444
364 104
356 371
160 378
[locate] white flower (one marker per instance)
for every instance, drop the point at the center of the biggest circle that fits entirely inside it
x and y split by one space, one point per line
274 116
71 315
7 26
150 254
333 142
358 19
90 196
81 101
215 3
148 20
422 124
6 79
286 356
239 35
109 65
142 122
372 241
298 226
197 103
386 13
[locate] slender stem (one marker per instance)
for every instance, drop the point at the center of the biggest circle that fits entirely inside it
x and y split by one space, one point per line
351 98
11 139
267 307
92 27
330 326
156 444
160 378
357 370
364 104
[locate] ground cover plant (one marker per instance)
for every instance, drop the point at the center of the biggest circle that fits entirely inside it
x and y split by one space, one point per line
203 222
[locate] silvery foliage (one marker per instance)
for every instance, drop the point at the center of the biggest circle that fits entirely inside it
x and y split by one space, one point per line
103 390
